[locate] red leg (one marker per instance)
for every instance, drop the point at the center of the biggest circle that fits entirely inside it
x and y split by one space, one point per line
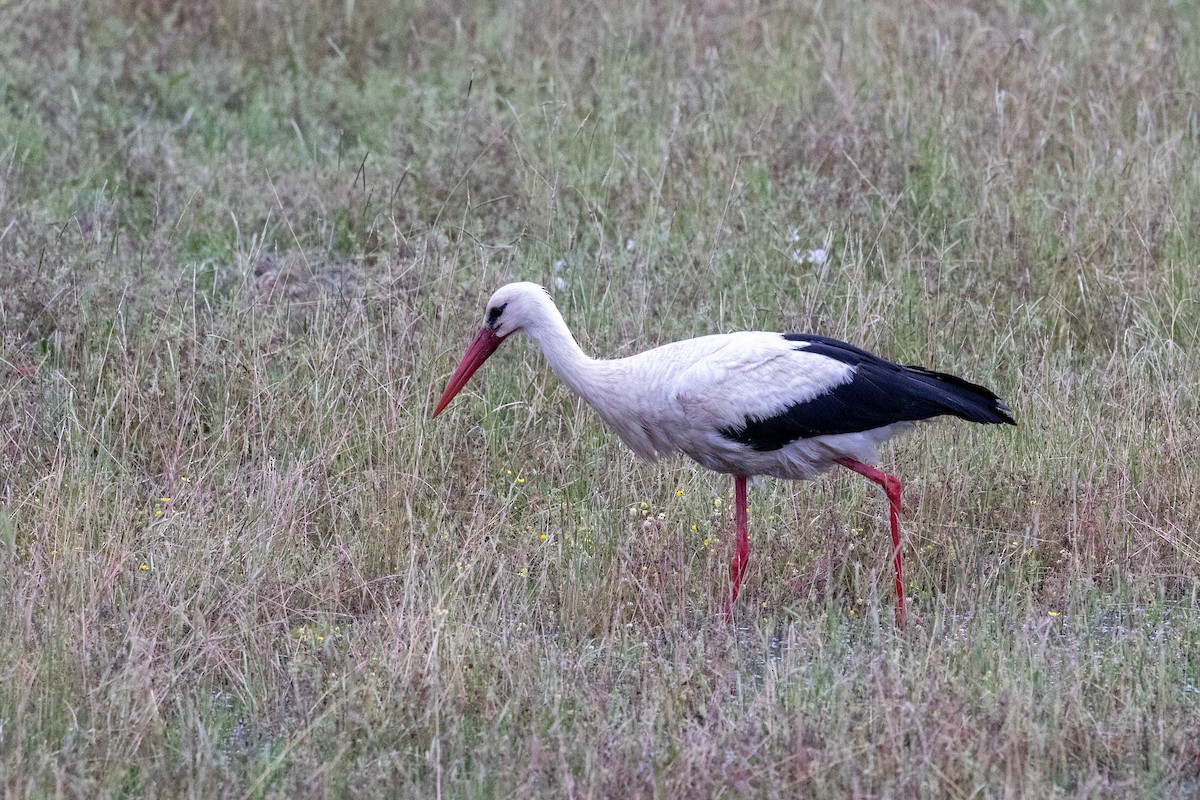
741 552
891 486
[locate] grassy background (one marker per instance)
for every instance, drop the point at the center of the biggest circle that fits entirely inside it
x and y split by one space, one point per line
241 248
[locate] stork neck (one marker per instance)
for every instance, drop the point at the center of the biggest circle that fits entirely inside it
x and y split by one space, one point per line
563 353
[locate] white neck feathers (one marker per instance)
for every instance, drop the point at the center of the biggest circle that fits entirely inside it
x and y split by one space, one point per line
562 352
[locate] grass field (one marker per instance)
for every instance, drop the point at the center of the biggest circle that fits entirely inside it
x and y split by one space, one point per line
242 247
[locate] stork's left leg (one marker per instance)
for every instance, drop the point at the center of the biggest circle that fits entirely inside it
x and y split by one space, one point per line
891 486
741 553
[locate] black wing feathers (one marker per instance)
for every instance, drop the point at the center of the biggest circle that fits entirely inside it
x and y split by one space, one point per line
879 393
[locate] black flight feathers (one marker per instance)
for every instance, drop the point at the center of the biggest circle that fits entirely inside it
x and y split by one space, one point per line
879 393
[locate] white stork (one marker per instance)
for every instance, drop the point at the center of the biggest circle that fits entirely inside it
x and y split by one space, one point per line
790 405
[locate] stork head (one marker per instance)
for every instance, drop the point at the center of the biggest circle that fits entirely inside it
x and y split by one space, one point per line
514 307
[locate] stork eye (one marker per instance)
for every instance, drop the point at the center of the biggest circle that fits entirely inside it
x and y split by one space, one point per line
494 314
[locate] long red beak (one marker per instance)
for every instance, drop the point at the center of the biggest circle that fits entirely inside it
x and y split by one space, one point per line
484 344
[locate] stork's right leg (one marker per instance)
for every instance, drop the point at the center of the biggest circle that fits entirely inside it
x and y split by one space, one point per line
891 486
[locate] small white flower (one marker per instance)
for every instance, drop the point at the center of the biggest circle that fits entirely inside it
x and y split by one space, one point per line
630 244
816 256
